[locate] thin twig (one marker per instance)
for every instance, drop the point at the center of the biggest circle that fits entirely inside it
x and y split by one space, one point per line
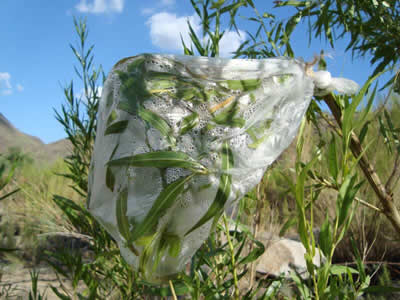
172 290
369 205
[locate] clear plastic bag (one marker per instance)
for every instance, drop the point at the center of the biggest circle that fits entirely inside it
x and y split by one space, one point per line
180 138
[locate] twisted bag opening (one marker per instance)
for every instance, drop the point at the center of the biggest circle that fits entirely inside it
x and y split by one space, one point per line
179 138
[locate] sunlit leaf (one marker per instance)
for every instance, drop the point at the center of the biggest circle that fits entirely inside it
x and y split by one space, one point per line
160 159
223 192
160 206
158 123
188 123
117 127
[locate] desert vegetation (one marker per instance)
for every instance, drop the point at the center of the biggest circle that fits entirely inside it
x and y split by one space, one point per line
340 176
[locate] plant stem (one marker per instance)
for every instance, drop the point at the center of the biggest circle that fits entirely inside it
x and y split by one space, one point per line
228 237
172 290
389 208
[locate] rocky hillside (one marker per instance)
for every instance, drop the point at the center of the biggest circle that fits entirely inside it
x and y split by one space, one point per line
12 137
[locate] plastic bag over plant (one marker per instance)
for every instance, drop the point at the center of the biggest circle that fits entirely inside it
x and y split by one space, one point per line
179 138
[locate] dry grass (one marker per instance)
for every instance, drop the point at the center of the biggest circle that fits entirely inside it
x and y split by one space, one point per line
32 210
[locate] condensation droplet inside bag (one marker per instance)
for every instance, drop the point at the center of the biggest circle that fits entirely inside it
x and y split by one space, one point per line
192 135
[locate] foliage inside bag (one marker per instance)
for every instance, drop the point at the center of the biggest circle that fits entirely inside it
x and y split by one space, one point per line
180 138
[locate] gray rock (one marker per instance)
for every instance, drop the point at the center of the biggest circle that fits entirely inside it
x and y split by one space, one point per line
283 255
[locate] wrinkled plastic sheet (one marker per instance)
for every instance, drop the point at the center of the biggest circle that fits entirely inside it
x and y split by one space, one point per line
179 139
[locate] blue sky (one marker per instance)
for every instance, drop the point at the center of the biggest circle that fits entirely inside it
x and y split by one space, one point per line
36 60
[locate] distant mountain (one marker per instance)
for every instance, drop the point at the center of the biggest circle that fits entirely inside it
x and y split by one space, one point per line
12 137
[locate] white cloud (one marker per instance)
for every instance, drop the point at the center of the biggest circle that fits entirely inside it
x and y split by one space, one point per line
230 42
5 84
100 6
166 30
19 87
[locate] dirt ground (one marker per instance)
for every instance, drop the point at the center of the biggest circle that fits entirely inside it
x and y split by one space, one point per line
15 282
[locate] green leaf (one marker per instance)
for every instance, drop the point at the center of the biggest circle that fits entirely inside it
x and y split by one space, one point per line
363 132
160 159
117 127
226 119
332 159
158 123
110 179
164 201
112 117
325 237
257 142
223 192
128 106
254 254
347 194
349 112
137 63
188 123
109 98
340 270
122 219
244 85
174 243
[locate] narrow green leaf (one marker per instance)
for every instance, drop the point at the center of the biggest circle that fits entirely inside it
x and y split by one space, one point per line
117 127
152 245
257 142
223 192
325 237
109 98
160 159
188 123
110 179
226 119
122 219
164 201
158 123
254 254
137 63
347 194
162 84
111 118
363 132
332 159
340 270
244 85
128 106
174 244
349 112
